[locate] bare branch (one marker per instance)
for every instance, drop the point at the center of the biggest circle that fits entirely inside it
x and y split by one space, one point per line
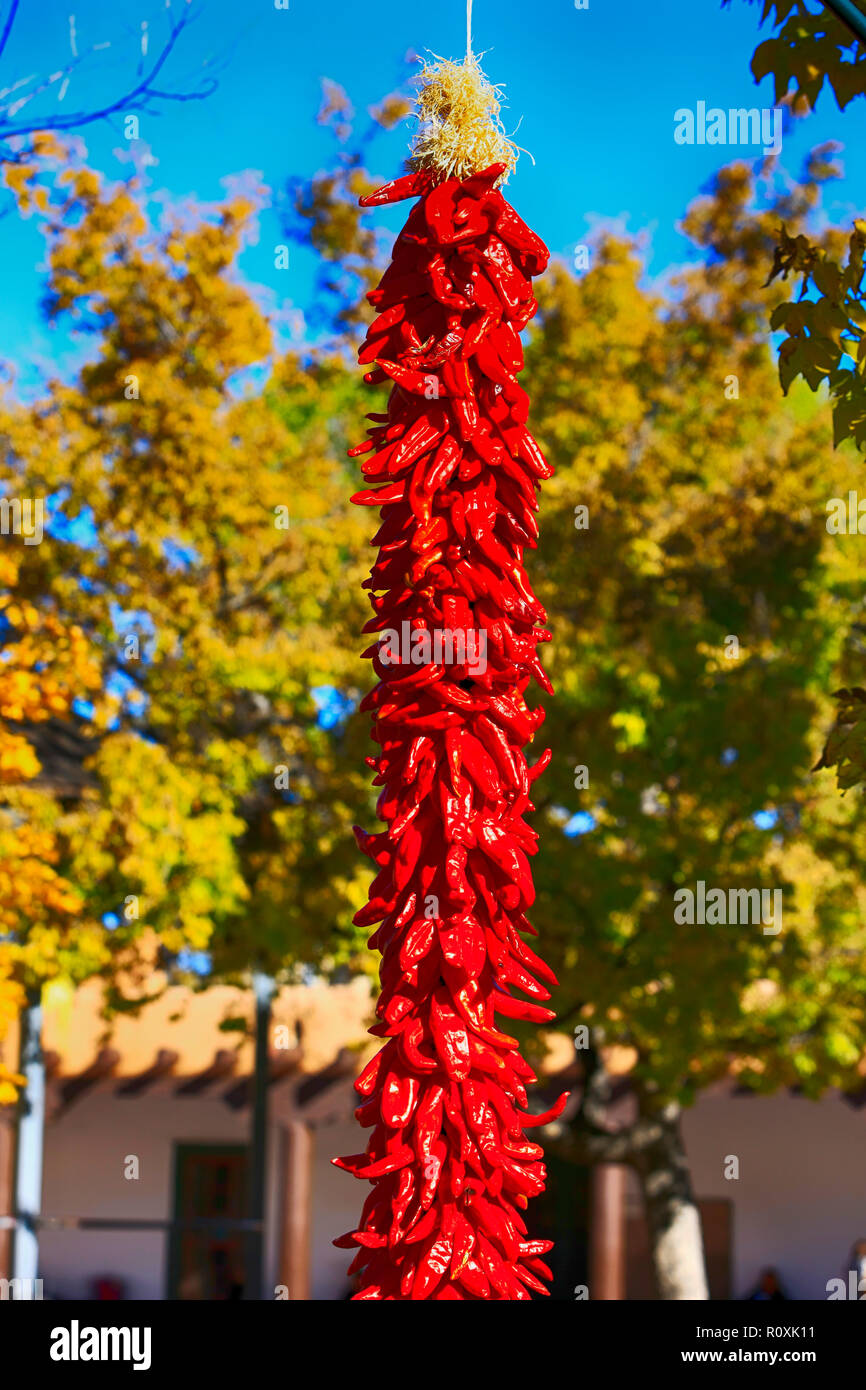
135 99
7 27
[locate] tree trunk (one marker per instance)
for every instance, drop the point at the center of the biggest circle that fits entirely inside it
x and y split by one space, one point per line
653 1146
676 1239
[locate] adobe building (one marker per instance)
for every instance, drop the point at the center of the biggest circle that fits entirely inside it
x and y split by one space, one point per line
147 1132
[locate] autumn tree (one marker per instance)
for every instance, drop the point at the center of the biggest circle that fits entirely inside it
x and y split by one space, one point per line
202 557
324 213
46 666
47 661
699 607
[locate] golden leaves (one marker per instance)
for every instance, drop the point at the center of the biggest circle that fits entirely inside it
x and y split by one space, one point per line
175 447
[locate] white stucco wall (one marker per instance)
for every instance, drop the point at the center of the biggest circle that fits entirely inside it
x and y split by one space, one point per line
85 1154
799 1202
338 1199
85 1151
800 1199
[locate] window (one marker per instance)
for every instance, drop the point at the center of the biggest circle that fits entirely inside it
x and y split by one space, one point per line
210 1181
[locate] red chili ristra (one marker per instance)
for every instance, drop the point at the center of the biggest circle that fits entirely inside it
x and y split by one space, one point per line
455 473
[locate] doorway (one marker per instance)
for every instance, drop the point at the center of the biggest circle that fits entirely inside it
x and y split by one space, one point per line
210 1181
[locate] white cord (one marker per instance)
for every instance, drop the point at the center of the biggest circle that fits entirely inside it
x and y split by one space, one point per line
468 28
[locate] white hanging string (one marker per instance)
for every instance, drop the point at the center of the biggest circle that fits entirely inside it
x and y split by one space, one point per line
468 28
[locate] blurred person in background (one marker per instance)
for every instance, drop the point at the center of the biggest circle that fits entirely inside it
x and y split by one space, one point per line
768 1289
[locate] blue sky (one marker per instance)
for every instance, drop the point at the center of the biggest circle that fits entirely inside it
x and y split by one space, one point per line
595 92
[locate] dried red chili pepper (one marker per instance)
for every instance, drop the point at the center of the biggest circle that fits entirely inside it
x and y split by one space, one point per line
446 1096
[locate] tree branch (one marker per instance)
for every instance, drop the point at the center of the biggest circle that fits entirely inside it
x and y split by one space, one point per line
136 98
850 16
7 27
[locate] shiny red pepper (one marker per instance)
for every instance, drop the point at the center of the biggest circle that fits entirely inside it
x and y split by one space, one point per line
457 476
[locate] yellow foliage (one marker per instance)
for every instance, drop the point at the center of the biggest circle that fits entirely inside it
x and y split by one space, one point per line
218 585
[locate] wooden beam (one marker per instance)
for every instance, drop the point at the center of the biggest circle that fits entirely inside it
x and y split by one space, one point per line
607 1232
52 1064
224 1064
857 1099
165 1063
297 1201
104 1064
53 1099
280 1065
344 1064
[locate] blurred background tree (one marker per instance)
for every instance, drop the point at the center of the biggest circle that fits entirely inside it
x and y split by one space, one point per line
46 662
202 549
698 613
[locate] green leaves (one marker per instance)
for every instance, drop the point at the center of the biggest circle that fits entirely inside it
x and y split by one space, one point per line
825 336
824 340
812 46
706 522
845 749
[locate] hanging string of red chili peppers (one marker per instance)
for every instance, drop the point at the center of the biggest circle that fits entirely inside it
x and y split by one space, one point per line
455 472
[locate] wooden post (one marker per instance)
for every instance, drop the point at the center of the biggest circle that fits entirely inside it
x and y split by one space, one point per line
607 1232
297 1168
8 1116
7 1187
263 991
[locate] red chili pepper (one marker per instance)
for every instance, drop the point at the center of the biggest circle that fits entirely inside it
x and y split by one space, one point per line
456 476
409 1039
463 945
529 1121
366 1082
519 1008
417 942
399 1098
396 191
421 1228
431 387
510 285
379 497
419 438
